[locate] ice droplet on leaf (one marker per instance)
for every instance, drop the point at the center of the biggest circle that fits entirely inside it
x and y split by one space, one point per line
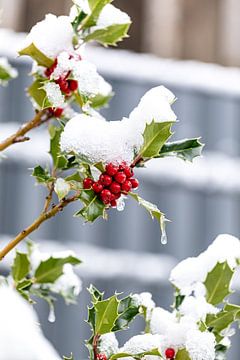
51 316
164 239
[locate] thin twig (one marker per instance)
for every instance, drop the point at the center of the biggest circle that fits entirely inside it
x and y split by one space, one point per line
95 345
40 118
35 225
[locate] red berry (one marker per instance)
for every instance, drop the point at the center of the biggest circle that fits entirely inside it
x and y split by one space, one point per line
170 353
58 112
101 357
97 187
128 171
73 85
63 85
127 186
135 183
106 180
123 165
87 183
113 203
115 188
117 196
120 177
48 72
111 169
106 196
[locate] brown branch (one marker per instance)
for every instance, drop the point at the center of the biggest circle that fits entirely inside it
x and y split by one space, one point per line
19 136
95 345
35 225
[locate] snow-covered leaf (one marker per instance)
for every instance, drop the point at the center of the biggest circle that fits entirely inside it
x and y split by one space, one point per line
41 175
93 208
38 94
218 283
96 7
51 269
100 101
109 35
223 319
153 352
155 135
186 149
37 55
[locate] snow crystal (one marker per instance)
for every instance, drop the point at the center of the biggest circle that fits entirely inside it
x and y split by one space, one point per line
108 344
64 65
68 282
197 308
116 141
19 323
160 320
54 94
97 139
141 343
110 15
154 105
144 299
224 248
51 35
201 345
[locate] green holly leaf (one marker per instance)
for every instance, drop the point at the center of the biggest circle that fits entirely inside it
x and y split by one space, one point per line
217 283
7 72
59 160
41 175
38 94
21 266
155 135
153 352
100 101
182 355
93 208
96 295
109 35
37 55
127 312
186 149
96 7
228 315
51 269
153 210
106 314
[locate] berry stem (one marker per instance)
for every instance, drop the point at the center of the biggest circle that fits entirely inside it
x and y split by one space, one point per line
45 215
40 118
137 159
95 345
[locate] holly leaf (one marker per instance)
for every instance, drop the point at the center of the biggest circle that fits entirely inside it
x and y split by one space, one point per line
223 319
51 269
37 55
153 210
109 35
217 283
41 175
93 208
38 94
106 314
96 295
96 7
100 101
155 135
127 312
21 267
59 160
153 352
182 355
186 149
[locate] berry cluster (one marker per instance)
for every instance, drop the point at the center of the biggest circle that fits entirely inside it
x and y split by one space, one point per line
101 356
67 86
116 180
170 353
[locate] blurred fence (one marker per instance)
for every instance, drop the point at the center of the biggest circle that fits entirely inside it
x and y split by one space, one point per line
201 199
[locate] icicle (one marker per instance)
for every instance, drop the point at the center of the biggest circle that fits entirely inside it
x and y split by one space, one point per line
121 203
51 316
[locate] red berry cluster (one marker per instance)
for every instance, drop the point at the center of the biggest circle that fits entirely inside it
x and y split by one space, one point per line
67 86
101 357
170 353
116 180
